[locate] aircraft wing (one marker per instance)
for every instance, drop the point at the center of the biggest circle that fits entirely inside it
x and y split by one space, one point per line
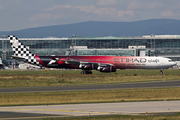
74 62
81 62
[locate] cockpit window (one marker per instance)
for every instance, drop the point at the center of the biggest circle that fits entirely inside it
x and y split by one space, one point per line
170 60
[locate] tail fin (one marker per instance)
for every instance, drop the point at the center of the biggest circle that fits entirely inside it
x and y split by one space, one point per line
21 51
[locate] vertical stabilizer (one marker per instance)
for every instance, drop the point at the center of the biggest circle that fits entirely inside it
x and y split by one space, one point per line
21 51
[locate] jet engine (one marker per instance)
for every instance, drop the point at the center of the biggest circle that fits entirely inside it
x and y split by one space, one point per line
104 69
107 68
86 66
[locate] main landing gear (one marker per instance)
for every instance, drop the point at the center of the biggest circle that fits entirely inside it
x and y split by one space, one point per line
161 71
86 72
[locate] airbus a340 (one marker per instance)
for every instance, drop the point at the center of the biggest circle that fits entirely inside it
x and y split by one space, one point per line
88 63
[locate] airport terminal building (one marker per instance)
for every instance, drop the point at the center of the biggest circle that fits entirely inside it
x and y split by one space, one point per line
150 45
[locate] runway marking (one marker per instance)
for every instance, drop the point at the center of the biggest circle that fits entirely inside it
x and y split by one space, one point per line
137 113
92 112
60 111
130 106
120 106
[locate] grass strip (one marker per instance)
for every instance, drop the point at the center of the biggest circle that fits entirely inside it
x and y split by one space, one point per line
19 78
97 96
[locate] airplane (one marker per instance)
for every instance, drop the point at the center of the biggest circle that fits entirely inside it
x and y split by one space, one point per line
88 63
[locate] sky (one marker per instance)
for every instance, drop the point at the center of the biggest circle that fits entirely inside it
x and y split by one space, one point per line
22 14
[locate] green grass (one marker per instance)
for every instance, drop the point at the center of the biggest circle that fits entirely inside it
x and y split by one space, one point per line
96 96
54 72
17 78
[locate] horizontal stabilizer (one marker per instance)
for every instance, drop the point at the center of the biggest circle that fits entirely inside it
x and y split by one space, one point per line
17 58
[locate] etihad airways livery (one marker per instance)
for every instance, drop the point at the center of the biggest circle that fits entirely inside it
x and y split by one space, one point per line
88 63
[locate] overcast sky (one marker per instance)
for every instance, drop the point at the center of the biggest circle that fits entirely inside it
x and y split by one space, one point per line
21 14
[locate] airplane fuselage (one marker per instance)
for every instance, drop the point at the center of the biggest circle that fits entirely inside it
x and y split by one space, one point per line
117 62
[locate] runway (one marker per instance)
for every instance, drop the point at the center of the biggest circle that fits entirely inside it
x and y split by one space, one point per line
153 84
70 110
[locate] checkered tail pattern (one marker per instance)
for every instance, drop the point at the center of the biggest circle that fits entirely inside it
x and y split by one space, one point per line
22 51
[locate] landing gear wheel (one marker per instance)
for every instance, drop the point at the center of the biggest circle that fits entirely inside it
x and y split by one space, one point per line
86 72
161 71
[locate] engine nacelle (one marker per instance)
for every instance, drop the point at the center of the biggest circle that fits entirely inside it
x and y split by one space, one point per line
86 66
104 68
107 68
